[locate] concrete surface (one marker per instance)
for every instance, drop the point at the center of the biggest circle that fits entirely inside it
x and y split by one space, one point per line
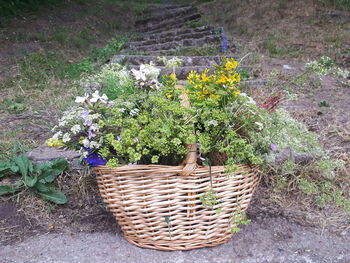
272 240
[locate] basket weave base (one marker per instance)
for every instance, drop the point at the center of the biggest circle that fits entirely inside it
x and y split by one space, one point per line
160 209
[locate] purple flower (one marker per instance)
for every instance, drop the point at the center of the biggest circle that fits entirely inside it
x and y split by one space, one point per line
91 134
94 159
224 42
273 147
87 123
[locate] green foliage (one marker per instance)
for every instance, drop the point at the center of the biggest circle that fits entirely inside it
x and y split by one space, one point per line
285 132
209 199
38 68
238 218
113 47
327 167
38 177
17 7
341 4
325 192
325 66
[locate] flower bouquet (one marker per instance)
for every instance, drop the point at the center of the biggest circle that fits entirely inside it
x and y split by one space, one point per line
176 165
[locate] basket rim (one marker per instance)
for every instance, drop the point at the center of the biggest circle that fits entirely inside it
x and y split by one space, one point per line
173 169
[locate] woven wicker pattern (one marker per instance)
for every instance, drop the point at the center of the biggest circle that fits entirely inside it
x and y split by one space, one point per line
159 206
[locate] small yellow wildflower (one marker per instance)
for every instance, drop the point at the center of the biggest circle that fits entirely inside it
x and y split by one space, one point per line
54 142
199 93
172 76
169 96
236 93
205 78
222 79
202 96
231 64
205 91
212 96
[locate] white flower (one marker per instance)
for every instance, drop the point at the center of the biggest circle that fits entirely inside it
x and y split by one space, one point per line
127 103
212 122
81 99
139 75
62 123
75 129
121 110
134 112
94 127
86 143
259 124
250 99
57 135
66 137
96 97
95 145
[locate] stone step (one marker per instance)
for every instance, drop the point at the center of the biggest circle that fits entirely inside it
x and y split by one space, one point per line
179 37
167 24
171 13
169 33
187 60
200 42
175 52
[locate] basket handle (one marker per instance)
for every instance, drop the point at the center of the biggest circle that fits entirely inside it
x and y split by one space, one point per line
190 162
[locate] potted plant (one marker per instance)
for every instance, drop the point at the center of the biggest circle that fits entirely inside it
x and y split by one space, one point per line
176 165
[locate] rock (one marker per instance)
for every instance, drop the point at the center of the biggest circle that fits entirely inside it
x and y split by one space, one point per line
298 158
45 154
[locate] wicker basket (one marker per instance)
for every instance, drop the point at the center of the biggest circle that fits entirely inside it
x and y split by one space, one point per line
160 206
157 207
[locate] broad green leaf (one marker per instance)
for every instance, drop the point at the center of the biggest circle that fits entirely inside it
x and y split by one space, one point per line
49 171
59 164
42 187
42 166
54 196
6 167
24 164
30 181
6 189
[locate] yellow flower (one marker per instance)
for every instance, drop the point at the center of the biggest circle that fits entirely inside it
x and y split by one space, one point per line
202 96
169 96
193 76
222 79
54 142
212 96
205 78
172 76
231 64
199 93
205 91
236 93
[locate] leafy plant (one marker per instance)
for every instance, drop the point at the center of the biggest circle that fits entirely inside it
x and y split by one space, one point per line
238 218
38 178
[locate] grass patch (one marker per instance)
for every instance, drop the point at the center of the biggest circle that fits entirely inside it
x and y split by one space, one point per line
340 4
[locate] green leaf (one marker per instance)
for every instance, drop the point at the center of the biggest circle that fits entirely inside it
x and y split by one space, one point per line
30 181
42 187
59 164
54 196
6 167
42 166
49 171
24 164
6 189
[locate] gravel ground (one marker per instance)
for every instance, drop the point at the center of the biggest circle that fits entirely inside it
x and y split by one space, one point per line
265 240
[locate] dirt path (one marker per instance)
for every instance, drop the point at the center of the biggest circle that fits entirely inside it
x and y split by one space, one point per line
264 240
